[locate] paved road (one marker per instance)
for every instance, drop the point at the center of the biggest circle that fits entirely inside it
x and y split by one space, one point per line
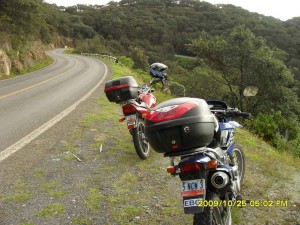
29 101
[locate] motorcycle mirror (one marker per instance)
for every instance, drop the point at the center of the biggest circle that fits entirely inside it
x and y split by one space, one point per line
250 91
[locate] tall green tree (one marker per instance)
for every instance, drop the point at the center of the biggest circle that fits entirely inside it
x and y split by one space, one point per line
139 58
241 59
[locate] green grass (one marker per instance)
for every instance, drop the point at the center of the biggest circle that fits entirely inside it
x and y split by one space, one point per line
93 199
81 221
52 210
52 188
21 193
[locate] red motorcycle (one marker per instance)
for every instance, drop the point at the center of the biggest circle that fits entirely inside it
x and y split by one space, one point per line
135 101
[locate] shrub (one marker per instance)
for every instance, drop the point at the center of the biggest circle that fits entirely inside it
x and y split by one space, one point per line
265 126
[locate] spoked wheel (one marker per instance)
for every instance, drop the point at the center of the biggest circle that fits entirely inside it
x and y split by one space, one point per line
238 159
140 141
211 215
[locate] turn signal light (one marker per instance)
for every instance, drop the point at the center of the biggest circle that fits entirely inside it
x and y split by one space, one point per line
171 169
121 119
212 164
190 167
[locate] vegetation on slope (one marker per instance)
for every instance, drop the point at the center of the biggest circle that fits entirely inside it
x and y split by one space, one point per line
115 187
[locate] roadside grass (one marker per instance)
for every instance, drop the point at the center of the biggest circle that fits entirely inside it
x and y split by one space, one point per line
93 199
20 193
267 172
52 210
38 65
81 220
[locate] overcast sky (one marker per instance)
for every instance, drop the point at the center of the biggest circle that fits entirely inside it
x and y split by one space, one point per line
281 9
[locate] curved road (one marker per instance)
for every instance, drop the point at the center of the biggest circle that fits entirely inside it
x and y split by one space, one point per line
32 103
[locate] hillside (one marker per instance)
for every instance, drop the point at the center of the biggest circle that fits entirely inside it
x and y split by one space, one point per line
114 186
159 28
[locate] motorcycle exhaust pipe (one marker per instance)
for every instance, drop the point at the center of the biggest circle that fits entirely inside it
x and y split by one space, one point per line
219 180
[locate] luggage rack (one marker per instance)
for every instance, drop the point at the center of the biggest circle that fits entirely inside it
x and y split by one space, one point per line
186 153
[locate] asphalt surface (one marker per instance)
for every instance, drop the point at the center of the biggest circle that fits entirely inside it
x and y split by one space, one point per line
29 101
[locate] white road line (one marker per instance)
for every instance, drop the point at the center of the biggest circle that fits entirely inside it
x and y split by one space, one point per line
27 139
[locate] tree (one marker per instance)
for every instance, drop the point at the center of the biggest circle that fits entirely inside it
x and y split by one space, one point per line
139 58
242 59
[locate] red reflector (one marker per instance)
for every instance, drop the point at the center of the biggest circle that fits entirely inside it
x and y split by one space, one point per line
131 127
116 87
193 193
171 113
190 167
171 169
174 147
129 109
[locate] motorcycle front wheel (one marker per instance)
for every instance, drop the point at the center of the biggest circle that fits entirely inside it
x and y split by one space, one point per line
140 141
212 215
238 159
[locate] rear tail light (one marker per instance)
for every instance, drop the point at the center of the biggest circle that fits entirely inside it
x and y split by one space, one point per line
131 127
129 109
170 112
191 167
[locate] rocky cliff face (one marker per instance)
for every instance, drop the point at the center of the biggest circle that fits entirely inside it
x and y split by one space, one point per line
35 52
60 41
19 61
5 64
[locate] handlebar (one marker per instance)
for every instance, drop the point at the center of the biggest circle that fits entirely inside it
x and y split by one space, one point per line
237 113
225 113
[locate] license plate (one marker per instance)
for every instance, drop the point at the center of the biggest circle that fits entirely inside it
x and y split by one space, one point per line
130 120
191 202
192 188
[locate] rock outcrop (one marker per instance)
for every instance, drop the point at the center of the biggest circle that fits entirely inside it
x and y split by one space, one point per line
5 64
19 61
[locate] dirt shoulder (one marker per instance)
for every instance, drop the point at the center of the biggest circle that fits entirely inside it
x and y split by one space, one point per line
106 183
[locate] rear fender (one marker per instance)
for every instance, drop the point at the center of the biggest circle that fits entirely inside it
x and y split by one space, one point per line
192 204
198 158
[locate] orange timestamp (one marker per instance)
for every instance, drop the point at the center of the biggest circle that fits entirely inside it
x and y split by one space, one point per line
243 203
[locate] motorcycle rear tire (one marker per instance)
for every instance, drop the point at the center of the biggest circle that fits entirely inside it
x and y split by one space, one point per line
141 144
211 215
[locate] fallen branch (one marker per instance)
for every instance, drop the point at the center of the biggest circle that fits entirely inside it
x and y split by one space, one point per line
78 159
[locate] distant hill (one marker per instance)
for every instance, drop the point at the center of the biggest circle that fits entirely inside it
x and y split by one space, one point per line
160 27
